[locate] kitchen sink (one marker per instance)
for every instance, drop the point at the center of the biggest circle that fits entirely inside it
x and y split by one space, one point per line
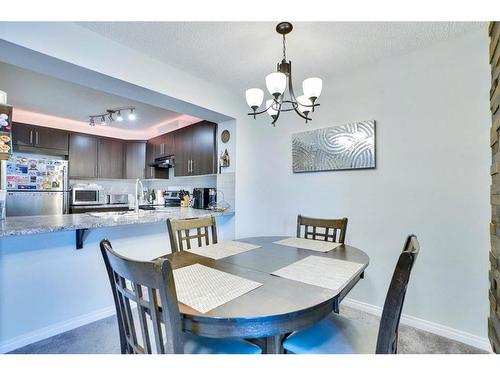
112 214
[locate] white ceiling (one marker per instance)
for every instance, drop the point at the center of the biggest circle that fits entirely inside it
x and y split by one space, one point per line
39 93
240 54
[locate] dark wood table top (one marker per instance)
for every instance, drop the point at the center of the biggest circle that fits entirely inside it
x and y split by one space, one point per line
280 305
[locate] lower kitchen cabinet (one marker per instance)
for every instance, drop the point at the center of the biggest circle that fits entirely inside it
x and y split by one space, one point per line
83 156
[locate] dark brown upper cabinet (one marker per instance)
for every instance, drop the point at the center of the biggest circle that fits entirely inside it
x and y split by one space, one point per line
163 144
183 148
83 156
30 138
195 149
149 172
204 159
95 157
156 148
135 158
110 161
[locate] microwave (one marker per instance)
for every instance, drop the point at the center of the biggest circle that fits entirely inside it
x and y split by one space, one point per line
86 196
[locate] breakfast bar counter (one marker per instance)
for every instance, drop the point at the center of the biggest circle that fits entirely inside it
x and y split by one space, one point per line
26 225
40 267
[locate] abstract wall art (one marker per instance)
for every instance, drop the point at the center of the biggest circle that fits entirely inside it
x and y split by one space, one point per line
350 146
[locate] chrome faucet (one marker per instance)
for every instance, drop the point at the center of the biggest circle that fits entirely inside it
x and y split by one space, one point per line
137 183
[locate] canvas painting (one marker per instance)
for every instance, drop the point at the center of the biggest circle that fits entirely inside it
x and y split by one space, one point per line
350 146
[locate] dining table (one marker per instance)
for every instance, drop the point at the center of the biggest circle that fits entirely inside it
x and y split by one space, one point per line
269 313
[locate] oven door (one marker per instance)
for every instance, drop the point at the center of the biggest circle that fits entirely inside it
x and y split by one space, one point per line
85 197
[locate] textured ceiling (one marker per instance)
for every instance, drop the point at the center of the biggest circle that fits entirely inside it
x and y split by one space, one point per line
239 54
43 94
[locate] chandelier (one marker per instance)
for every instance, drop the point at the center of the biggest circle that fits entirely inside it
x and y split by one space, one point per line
111 115
276 84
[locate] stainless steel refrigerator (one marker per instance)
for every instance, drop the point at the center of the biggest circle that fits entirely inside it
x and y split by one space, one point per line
35 185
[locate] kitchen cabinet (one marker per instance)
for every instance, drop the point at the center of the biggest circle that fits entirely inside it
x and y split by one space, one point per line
94 157
195 149
153 151
183 146
135 159
110 158
204 152
33 138
149 172
164 145
83 156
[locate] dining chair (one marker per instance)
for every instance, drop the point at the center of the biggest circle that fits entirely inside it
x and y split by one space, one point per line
148 314
336 226
180 232
339 335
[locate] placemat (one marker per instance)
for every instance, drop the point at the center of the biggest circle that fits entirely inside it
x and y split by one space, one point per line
223 249
321 271
204 288
308 244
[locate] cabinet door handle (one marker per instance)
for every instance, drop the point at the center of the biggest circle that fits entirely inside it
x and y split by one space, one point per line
95 170
191 165
31 136
36 137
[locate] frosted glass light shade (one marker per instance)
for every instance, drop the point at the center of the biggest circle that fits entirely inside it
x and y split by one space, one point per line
312 87
276 83
271 105
254 97
3 97
302 102
131 116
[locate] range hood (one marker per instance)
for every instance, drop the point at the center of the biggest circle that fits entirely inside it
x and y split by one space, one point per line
163 162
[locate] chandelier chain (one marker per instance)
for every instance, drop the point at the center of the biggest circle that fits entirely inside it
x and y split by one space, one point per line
284 48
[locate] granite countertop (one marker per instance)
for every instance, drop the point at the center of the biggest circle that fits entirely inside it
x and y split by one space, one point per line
25 225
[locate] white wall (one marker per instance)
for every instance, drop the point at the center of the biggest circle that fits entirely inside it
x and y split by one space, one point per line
432 177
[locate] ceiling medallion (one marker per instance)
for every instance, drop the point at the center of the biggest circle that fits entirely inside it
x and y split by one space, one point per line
276 84
111 115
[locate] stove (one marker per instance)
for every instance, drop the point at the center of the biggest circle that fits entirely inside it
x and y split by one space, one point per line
172 198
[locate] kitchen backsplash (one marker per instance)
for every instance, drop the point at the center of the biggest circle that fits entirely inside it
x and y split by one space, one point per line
128 186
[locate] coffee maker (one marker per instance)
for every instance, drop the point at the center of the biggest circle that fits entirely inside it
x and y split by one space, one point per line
204 198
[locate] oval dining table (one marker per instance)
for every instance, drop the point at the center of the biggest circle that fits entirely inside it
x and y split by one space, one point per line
278 307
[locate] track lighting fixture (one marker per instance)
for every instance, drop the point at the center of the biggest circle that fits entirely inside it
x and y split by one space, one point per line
108 116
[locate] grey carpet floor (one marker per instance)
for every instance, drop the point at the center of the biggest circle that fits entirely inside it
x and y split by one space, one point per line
101 337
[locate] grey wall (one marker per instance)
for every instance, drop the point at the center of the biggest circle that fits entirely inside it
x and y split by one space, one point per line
432 177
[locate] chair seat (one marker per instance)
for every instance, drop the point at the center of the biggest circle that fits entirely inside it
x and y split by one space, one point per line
333 335
203 345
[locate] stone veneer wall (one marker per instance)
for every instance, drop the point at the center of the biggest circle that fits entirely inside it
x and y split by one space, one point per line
494 294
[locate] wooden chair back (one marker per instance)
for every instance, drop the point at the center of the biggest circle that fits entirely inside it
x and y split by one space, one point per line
332 230
387 340
146 304
181 232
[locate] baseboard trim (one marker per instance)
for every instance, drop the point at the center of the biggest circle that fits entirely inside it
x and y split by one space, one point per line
54 329
425 325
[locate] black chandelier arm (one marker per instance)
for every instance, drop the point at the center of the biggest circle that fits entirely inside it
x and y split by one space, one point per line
292 93
277 116
301 115
264 110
